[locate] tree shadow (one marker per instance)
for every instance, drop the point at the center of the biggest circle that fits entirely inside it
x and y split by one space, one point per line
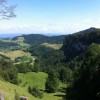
62 90
61 95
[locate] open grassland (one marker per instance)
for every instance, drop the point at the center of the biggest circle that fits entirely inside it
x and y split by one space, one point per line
9 90
17 53
22 44
33 79
39 79
54 46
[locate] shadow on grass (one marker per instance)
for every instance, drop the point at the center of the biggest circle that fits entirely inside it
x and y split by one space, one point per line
61 95
62 90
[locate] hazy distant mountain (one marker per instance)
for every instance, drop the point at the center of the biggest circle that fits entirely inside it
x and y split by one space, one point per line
8 35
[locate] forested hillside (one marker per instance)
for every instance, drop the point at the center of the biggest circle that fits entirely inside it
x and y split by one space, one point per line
77 43
35 39
75 64
86 79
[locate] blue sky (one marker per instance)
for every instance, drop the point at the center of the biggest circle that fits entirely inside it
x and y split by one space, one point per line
52 16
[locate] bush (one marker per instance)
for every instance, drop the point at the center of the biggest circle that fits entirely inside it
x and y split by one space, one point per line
35 92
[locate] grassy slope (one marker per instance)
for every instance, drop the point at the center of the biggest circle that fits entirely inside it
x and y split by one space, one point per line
54 46
38 79
17 53
33 79
9 89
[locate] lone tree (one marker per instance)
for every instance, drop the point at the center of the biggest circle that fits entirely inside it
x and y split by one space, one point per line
6 12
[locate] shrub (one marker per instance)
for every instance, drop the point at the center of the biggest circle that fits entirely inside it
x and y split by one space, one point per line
35 92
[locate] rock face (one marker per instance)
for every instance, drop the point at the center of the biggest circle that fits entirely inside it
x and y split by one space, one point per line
77 43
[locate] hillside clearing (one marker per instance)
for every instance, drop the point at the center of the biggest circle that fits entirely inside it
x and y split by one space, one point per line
9 90
17 53
39 79
54 46
33 79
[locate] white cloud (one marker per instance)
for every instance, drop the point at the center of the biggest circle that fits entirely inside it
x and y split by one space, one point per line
51 28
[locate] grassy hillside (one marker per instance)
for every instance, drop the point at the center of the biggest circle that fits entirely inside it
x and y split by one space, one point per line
9 90
17 53
38 79
54 46
33 79
22 45
7 45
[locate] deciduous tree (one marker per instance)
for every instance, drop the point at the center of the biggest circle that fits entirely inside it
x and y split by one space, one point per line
6 12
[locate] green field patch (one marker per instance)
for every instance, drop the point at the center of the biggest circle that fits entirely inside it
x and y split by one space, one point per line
32 79
10 90
54 46
39 79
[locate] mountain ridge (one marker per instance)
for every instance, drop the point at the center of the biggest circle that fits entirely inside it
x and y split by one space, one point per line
35 39
77 43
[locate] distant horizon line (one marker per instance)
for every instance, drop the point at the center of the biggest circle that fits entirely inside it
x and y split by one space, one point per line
45 33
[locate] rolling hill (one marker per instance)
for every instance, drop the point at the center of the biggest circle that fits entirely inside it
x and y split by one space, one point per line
35 39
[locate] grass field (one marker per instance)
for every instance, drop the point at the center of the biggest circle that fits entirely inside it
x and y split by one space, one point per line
54 46
39 79
17 53
33 79
9 90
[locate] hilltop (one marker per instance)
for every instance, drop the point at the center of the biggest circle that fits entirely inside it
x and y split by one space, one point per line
77 43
